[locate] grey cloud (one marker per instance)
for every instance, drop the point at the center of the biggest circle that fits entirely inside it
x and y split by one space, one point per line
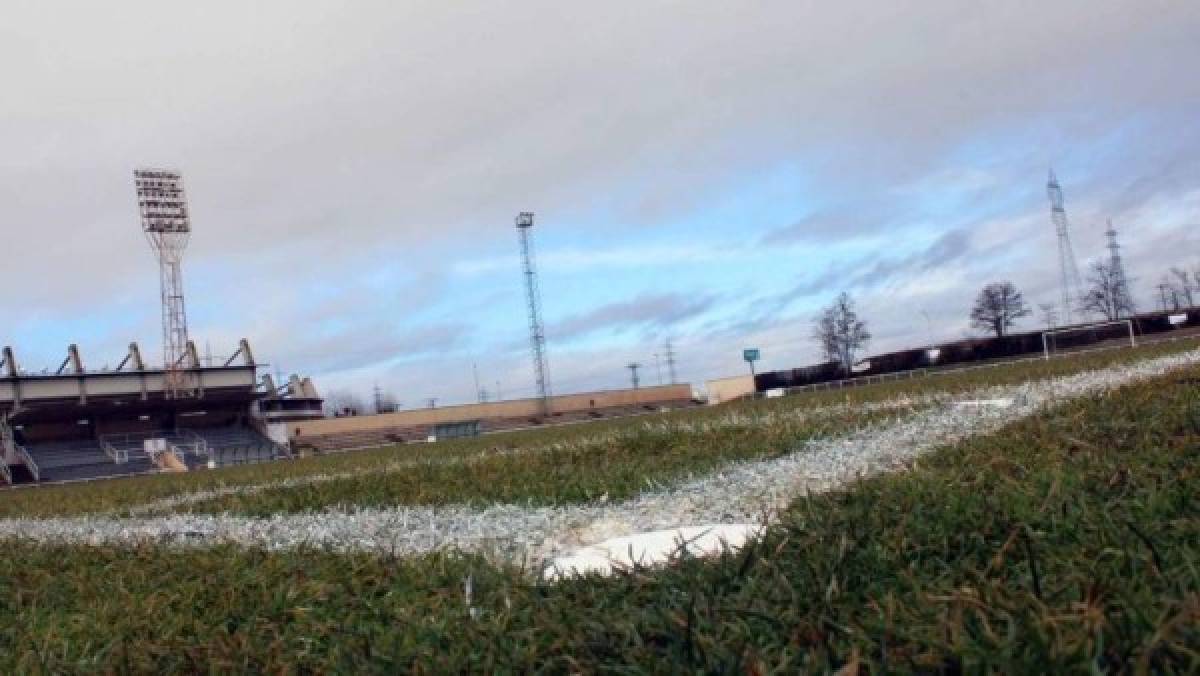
945 250
313 135
815 228
370 344
658 310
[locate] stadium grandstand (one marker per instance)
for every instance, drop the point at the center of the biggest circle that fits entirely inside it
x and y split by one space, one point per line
78 424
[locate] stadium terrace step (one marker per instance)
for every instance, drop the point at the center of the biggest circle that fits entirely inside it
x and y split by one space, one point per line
98 470
232 446
198 446
82 459
107 469
65 454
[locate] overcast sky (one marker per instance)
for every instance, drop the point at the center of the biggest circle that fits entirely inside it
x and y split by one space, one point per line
709 172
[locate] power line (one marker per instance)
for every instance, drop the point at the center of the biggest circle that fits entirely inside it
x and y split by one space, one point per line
633 373
1071 284
1122 300
480 393
669 351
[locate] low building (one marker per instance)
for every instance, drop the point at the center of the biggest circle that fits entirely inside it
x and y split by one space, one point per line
728 389
472 419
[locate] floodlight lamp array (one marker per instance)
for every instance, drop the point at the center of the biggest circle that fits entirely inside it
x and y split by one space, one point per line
162 202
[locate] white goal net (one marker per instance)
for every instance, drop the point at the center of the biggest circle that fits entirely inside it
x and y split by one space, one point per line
1100 334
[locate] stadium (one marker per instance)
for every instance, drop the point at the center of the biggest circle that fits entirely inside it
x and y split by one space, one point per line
76 423
827 381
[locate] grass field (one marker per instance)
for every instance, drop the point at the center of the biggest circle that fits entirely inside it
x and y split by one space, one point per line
561 465
1065 542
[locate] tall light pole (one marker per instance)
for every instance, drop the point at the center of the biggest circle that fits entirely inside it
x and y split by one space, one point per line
537 331
166 225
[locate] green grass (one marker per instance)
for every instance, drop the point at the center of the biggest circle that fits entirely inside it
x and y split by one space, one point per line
1067 542
574 463
551 466
618 467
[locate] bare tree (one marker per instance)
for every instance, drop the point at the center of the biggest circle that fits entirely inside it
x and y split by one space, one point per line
1049 314
343 403
386 403
840 332
997 308
1107 294
1185 285
1165 294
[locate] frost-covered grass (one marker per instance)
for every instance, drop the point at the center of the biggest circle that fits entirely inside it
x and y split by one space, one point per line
747 491
560 465
1066 542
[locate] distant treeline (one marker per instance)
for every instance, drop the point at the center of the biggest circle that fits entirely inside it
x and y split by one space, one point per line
971 350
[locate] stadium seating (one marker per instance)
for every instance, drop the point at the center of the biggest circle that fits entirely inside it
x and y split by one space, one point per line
233 446
83 459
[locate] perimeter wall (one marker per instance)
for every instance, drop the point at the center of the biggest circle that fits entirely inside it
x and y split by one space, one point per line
518 408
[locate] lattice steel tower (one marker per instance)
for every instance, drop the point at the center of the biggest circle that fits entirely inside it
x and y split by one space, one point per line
537 331
167 227
1070 282
1122 298
669 350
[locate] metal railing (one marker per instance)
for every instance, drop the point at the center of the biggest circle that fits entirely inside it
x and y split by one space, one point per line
117 455
23 454
118 447
6 442
192 442
929 372
283 451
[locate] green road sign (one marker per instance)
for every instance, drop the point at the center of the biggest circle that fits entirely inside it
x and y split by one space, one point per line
751 354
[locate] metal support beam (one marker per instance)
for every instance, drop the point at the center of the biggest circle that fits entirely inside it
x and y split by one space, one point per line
133 358
9 362
244 348
13 370
73 356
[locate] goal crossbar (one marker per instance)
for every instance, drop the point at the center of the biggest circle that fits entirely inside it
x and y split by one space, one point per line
1050 338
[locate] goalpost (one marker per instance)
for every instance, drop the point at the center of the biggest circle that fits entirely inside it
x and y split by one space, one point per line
1078 337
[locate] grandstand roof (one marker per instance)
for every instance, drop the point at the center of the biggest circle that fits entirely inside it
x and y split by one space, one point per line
131 387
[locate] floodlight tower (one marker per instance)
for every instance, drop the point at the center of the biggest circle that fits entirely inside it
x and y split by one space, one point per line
537 331
167 227
1070 282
